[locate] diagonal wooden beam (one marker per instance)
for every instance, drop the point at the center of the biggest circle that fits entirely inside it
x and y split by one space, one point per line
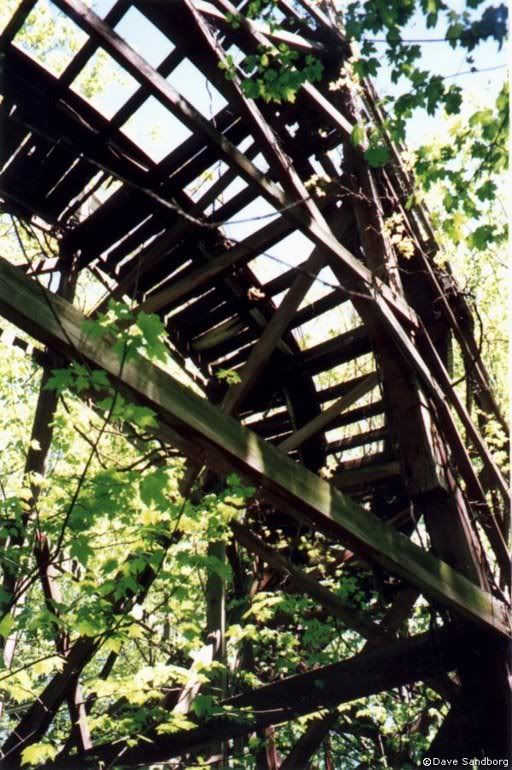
278 36
280 321
291 206
277 159
227 444
325 418
359 621
301 753
243 251
392 665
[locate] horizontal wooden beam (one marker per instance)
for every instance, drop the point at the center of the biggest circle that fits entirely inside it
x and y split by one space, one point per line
370 473
228 445
316 308
358 439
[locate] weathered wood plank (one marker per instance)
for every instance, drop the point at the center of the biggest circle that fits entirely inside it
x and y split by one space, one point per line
359 439
325 418
229 445
373 472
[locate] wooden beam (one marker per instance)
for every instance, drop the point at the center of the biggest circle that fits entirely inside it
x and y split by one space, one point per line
358 439
309 224
271 145
153 254
316 308
279 424
272 334
392 665
229 445
369 474
325 418
359 621
301 753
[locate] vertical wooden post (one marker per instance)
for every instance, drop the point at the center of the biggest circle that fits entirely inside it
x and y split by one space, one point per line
216 635
425 467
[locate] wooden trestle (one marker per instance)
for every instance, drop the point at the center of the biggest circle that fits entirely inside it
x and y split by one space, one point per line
165 248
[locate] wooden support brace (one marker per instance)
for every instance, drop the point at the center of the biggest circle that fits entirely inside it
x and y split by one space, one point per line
396 664
325 418
229 445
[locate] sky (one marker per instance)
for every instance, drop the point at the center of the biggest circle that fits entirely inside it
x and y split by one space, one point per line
438 57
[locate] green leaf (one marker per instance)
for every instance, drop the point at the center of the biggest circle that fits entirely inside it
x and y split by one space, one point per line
80 549
377 155
38 753
175 723
203 705
153 332
6 625
251 88
482 237
357 135
110 565
229 375
61 380
152 488
486 192
453 100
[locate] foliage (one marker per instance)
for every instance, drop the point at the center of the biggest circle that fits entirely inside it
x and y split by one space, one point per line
365 22
465 169
274 73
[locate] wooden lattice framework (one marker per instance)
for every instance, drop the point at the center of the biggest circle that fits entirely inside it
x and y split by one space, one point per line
156 243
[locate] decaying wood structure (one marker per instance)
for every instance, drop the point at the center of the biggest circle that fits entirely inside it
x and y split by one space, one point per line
157 242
